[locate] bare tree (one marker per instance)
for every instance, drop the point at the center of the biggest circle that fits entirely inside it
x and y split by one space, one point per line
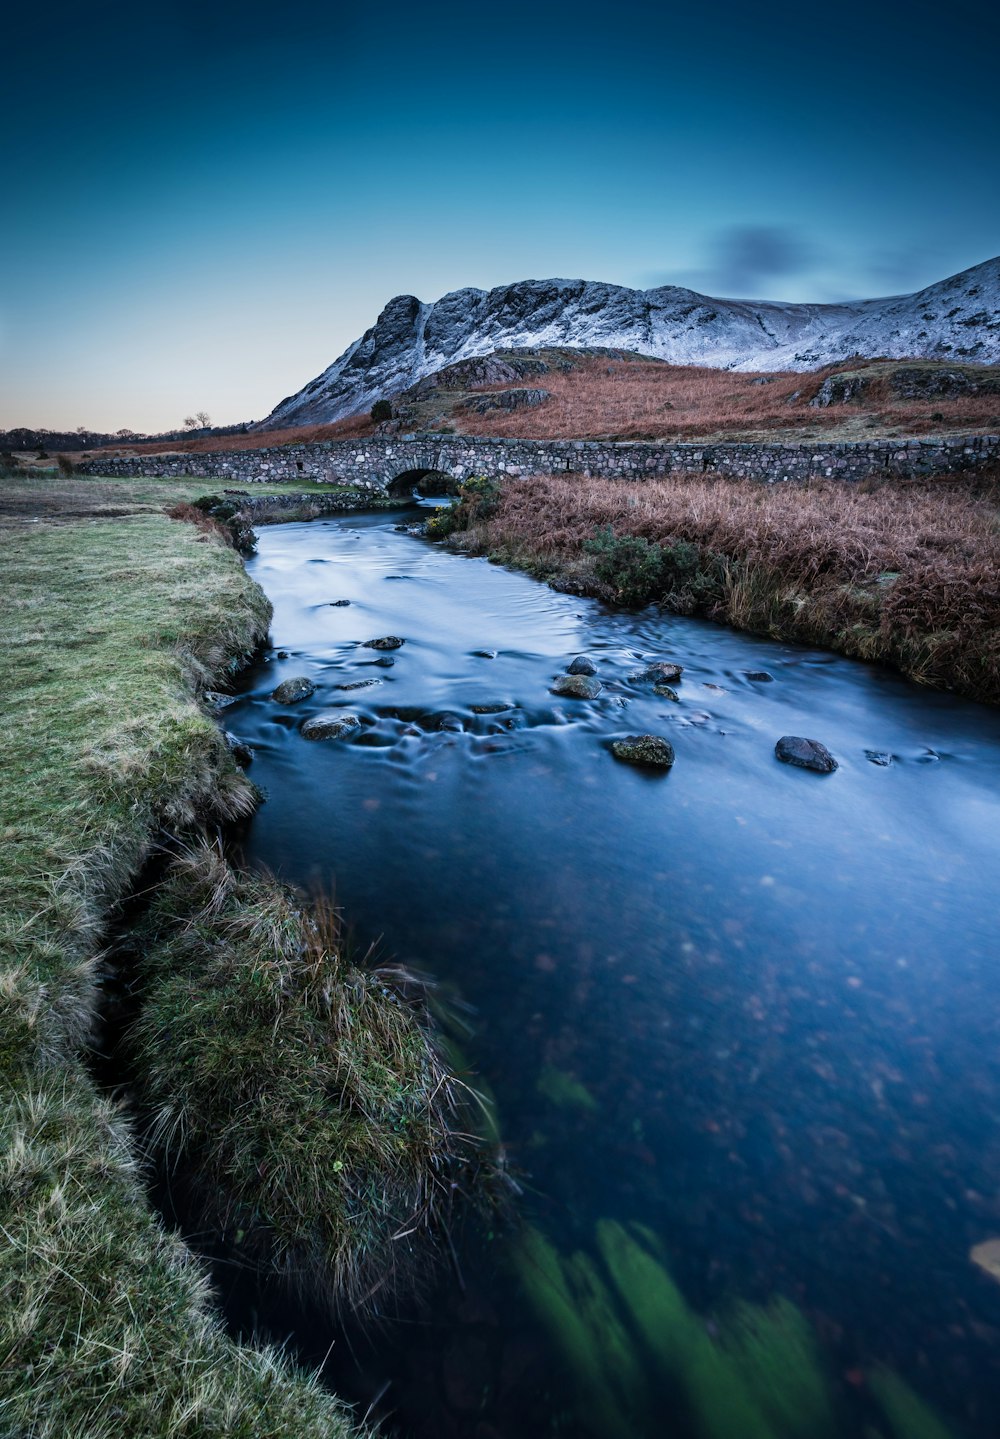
204 419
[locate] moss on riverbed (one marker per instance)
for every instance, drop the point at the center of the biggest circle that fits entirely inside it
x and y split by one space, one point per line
110 629
627 1335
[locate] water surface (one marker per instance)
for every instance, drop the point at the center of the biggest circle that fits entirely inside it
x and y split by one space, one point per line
753 1010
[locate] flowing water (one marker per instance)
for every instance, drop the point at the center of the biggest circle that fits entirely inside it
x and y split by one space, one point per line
741 1021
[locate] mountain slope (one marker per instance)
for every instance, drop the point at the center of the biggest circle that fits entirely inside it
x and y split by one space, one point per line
958 317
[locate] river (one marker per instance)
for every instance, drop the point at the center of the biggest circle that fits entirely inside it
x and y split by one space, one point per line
741 1021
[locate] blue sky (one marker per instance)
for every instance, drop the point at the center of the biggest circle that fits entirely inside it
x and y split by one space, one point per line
204 204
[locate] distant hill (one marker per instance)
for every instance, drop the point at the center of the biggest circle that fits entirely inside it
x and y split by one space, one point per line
958 318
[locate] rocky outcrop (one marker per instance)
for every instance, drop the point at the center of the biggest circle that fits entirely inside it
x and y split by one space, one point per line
958 318
517 399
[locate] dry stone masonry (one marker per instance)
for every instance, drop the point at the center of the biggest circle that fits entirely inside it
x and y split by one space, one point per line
383 465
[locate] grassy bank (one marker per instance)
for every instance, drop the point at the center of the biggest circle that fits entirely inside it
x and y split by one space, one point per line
110 629
906 573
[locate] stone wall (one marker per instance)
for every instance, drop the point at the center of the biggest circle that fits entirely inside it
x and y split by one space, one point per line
380 463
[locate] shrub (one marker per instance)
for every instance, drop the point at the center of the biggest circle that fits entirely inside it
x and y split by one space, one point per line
381 410
478 499
66 465
629 564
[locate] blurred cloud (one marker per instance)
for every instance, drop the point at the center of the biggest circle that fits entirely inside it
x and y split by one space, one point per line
749 257
750 262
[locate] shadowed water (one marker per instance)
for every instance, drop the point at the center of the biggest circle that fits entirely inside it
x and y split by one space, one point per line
751 1009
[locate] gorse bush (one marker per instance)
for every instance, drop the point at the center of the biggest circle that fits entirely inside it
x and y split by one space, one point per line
638 570
381 411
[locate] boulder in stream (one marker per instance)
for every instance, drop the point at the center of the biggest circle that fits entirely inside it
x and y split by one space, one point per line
290 691
663 672
805 753
582 665
333 725
577 687
650 750
384 642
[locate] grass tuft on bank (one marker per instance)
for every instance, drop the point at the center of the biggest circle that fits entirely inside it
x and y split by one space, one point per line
906 573
305 1097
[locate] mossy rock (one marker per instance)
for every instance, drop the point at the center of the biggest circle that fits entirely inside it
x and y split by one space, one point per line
577 687
385 642
335 725
648 750
291 691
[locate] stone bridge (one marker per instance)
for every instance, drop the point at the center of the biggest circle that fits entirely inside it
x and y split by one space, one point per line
398 464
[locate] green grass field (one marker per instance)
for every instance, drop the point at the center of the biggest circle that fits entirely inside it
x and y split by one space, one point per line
115 617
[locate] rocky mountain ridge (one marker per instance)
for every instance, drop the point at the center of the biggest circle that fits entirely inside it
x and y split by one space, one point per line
956 318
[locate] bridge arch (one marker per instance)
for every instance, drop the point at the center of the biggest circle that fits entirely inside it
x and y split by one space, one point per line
423 481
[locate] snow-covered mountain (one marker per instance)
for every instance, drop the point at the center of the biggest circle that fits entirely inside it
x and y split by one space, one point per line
958 317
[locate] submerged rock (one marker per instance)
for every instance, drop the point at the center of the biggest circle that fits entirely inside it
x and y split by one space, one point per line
484 654
289 692
805 753
329 726
384 662
384 642
644 749
663 672
360 685
761 676
238 748
499 707
667 693
338 604
880 757
577 687
582 665
218 701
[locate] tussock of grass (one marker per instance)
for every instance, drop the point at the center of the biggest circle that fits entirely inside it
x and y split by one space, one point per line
906 573
306 1096
107 1328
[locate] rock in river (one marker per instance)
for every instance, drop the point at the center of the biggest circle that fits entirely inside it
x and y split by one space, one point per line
577 687
806 753
645 749
582 665
385 642
663 672
330 726
289 692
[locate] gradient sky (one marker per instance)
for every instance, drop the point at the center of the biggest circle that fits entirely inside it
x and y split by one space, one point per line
205 203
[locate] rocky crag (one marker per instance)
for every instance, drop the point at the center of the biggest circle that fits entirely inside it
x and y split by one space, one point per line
958 318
